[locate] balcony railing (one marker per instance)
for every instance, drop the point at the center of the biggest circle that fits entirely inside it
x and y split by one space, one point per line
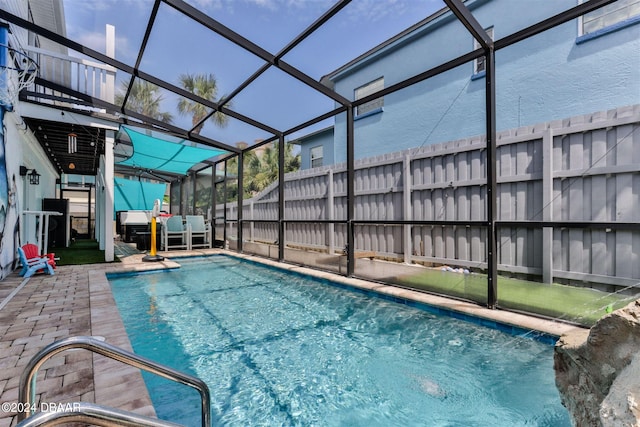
78 74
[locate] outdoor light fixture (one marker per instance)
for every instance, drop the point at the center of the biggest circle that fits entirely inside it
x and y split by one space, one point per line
34 176
72 142
72 166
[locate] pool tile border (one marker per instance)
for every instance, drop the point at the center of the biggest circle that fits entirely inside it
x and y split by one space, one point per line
545 330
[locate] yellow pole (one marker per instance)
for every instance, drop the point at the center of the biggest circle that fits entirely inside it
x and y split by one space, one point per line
152 241
153 237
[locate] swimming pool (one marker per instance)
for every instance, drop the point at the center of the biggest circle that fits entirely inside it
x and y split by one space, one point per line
278 348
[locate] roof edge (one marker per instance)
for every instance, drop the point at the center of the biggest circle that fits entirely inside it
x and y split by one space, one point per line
399 39
309 135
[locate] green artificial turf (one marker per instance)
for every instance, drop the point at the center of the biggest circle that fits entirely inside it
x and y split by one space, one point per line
79 252
575 304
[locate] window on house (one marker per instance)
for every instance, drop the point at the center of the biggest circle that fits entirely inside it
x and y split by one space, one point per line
610 15
367 90
479 64
316 156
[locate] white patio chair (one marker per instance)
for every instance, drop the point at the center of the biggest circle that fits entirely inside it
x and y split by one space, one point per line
174 234
199 232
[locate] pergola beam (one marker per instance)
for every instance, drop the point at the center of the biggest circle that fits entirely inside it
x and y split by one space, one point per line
551 22
253 48
469 21
143 46
159 125
295 42
120 66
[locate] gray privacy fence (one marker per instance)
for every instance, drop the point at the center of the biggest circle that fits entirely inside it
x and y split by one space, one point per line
583 172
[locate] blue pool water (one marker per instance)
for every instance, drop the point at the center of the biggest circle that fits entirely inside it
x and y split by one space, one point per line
279 349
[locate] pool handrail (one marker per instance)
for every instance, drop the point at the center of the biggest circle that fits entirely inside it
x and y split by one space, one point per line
86 412
27 387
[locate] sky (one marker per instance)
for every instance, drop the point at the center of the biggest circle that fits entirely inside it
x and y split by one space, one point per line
179 45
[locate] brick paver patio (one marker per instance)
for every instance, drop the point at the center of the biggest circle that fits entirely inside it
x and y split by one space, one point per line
76 301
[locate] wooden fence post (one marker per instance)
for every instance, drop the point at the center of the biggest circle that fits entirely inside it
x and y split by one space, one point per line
251 218
331 212
547 205
406 208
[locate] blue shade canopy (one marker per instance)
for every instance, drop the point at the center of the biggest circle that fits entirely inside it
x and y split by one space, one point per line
164 153
136 195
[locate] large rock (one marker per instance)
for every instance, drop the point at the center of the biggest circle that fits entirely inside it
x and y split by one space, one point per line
598 370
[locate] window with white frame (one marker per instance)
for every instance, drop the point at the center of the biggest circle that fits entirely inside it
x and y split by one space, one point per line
366 90
479 65
609 15
316 156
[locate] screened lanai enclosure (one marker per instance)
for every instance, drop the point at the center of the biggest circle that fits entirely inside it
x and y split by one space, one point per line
488 151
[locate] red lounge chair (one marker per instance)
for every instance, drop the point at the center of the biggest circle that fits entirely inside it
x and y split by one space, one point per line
32 258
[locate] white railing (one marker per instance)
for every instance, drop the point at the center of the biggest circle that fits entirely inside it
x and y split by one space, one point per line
82 75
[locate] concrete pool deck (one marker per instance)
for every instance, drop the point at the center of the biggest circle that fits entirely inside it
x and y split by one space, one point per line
77 300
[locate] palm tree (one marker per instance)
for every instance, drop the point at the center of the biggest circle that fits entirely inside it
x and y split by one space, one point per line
205 86
262 170
144 99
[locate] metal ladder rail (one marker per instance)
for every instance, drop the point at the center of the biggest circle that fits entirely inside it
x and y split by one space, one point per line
27 385
92 414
